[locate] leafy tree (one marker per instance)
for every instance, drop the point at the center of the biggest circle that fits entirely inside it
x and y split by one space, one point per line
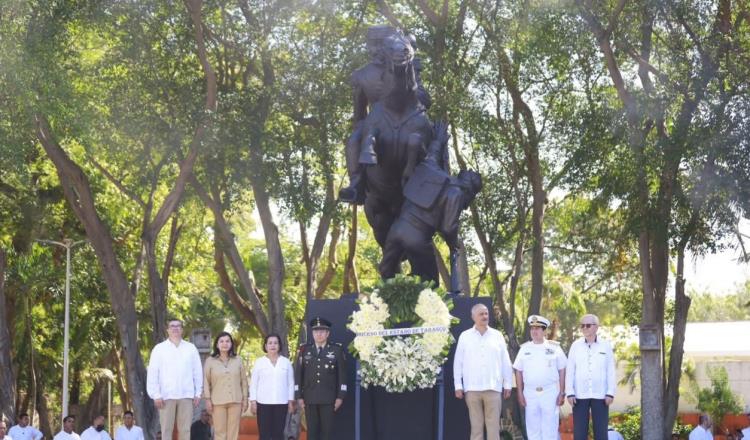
678 175
718 400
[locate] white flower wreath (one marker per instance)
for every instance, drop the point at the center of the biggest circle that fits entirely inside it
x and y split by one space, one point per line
402 363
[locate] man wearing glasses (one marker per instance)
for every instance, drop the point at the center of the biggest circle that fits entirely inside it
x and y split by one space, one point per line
175 381
590 381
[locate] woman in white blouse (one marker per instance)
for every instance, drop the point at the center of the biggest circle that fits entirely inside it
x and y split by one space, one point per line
272 389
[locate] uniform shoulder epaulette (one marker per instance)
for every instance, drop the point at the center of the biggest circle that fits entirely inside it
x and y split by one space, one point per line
338 343
553 342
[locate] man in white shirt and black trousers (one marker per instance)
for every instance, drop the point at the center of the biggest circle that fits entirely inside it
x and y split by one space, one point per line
590 380
24 431
175 381
482 373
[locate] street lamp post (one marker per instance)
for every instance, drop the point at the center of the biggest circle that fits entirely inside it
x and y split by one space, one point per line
68 244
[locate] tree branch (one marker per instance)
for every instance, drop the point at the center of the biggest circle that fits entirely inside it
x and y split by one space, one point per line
387 12
118 183
431 15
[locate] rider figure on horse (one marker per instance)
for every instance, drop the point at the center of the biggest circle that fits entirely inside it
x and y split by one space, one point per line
369 88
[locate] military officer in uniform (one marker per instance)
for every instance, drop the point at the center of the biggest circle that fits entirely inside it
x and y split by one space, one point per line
320 380
540 378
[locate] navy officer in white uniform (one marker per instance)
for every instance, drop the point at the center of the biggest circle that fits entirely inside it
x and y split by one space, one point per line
540 379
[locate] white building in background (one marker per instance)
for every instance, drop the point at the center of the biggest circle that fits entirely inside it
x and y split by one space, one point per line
707 344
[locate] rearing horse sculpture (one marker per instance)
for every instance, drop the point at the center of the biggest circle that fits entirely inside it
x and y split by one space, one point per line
396 132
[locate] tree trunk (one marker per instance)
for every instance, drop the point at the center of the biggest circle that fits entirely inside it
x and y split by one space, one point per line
525 129
333 262
45 423
275 260
125 399
443 270
78 193
463 269
31 373
7 381
681 308
652 385
319 243
224 244
351 281
158 293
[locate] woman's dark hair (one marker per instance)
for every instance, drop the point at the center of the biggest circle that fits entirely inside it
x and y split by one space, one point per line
215 353
269 336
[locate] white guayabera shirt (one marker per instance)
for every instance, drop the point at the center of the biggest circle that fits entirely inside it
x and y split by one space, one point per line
482 362
174 371
590 373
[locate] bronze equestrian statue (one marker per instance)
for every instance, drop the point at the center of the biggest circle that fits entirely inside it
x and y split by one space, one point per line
398 161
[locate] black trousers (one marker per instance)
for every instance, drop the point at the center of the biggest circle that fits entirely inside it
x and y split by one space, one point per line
319 421
271 421
599 418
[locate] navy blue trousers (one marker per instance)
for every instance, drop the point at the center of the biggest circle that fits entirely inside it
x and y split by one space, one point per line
599 417
271 421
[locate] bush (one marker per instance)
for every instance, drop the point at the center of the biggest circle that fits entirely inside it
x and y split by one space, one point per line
630 425
718 400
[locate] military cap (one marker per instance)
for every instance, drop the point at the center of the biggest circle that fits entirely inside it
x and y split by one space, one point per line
320 323
538 321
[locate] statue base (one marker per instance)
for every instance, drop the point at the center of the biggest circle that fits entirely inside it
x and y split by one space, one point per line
396 416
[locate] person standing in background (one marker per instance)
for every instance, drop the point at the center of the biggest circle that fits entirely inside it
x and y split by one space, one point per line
3 430
129 430
201 428
24 431
67 430
96 431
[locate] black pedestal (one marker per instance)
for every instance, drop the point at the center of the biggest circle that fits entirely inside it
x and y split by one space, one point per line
396 416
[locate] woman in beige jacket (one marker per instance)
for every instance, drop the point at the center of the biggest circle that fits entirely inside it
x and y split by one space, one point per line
225 388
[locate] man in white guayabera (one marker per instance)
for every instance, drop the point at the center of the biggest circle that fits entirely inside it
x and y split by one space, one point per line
482 372
175 381
590 381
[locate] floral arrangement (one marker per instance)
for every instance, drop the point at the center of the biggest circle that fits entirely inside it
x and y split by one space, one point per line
404 359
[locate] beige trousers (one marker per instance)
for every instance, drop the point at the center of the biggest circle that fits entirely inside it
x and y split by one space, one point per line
227 421
484 412
176 410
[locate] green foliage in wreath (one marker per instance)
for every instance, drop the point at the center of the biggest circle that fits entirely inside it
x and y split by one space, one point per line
401 293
